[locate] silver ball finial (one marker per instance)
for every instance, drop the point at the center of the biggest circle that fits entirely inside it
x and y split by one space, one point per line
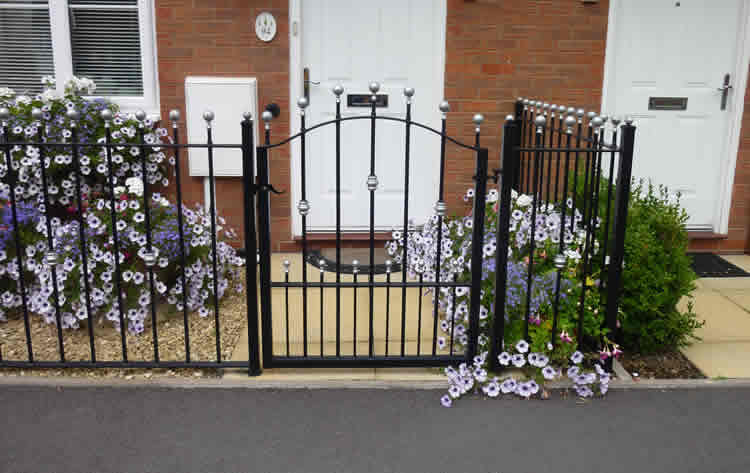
604 118
580 113
559 261
597 122
303 207
509 118
266 116
286 265
562 108
355 266
540 121
519 99
247 116
444 106
591 115
72 114
478 119
388 265
571 111
4 113
140 115
302 102
37 114
322 265
338 89
545 106
525 101
553 108
208 115
570 122
409 92
616 120
628 120
374 87
174 115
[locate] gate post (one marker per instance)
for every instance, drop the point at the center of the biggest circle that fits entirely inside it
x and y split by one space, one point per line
251 266
617 254
264 232
477 242
511 140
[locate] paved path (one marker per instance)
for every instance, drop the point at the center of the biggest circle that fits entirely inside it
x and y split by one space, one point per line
245 430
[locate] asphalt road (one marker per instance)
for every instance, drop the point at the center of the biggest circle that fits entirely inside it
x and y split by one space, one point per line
242 430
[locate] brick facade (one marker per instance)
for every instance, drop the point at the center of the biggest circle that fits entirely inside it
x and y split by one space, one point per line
496 50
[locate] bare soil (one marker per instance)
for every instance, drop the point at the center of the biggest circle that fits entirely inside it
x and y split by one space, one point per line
669 365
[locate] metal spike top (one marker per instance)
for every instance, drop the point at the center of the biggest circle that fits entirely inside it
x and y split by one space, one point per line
174 115
247 116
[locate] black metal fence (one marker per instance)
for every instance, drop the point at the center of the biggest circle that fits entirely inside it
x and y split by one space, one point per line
542 152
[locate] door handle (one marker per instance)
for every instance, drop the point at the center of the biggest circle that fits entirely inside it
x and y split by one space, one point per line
306 83
724 89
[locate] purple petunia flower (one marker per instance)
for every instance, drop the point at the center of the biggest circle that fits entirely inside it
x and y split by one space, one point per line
446 401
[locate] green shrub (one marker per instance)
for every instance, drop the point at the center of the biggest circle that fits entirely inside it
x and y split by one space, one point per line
657 272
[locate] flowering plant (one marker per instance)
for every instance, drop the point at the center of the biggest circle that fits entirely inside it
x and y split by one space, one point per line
62 217
531 292
54 127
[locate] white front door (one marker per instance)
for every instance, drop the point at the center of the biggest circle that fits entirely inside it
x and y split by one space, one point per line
398 43
670 57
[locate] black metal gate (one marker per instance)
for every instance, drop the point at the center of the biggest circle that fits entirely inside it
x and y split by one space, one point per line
315 356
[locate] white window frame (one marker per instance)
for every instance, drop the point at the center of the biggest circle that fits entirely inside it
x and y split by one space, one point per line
63 58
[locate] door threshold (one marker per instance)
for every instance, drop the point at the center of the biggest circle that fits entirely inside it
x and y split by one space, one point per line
350 236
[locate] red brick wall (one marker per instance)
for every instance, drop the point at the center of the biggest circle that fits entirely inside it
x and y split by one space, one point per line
550 50
217 37
496 50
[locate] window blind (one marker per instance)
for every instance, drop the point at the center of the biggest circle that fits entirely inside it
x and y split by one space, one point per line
25 45
106 45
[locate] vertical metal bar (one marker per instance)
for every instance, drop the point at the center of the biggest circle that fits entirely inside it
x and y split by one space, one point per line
440 211
115 232
452 313
372 184
286 305
387 303
510 162
560 258
251 264
82 238
175 116
355 288
264 232
150 258
476 253
303 212
214 261
322 314
405 235
586 222
338 91
419 317
596 180
528 140
551 136
532 241
19 249
518 117
579 134
561 115
614 283
605 242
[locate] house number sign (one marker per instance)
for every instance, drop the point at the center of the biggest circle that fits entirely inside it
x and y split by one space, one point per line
265 26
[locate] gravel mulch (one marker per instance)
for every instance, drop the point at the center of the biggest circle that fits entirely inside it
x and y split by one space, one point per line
171 338
669 365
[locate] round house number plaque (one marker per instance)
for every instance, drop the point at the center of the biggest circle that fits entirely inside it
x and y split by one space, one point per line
265 26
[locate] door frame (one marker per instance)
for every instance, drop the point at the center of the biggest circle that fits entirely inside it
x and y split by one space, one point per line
295 91
728 161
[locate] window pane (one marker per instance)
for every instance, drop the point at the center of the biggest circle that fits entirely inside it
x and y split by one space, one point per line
25 45
106 45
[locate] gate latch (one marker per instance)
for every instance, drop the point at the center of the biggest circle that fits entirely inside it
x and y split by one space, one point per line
256 188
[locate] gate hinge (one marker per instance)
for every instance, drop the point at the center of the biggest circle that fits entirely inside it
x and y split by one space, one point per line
495 176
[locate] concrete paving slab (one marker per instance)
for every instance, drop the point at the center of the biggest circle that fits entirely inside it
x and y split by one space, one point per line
742 261
725 320
730 360
739 297
721 284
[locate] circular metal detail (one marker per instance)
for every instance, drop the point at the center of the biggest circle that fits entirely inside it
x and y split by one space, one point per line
51 258
372 182
338 89
302 102
149 258
374 87
540 121
444 106
478 119
247 116
409 91
208 115
266 116
72 114
509 118
286 265
4 113
440 208
597 122
36 113
560 261
303 207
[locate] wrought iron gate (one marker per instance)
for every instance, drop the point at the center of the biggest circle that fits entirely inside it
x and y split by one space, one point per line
338 355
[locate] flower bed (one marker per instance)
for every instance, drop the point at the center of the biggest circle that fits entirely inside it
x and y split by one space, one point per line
541 357
53 264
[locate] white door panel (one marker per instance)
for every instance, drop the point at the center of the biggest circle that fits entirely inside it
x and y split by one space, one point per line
394 42
666 48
